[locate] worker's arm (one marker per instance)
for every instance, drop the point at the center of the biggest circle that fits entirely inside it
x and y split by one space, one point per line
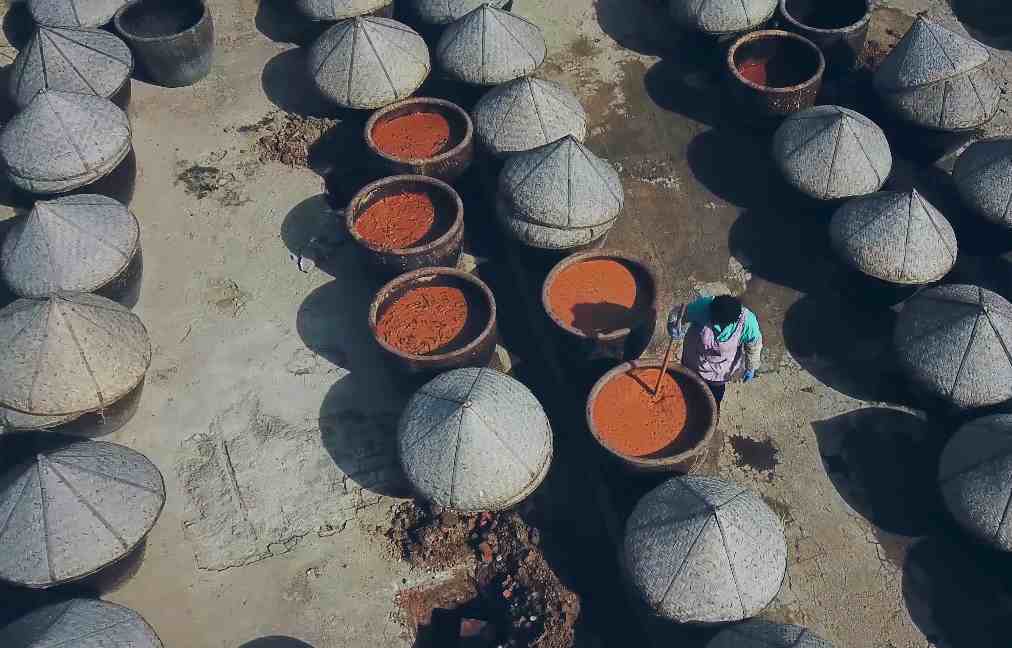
752 343
696 312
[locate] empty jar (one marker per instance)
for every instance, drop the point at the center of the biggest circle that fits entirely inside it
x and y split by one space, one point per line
172 40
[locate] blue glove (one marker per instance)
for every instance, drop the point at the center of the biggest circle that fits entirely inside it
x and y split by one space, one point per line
676 332
748 375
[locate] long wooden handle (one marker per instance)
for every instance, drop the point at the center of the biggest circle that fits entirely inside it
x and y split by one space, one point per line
664 369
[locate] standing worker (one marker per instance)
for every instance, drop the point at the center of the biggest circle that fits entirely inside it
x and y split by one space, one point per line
719 333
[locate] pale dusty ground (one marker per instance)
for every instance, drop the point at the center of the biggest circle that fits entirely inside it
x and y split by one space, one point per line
266 403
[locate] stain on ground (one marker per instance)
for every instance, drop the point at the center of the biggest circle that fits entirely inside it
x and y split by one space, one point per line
200 181
781 509
758 455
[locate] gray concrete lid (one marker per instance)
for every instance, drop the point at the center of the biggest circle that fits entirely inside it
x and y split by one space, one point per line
722 16
74 13
759 633
895 236
527 113
560 185
80 623
13 421
75 243
367 63
442 12
64 140
928 53
983 176
954 342
72 506
490 46
70 353
975 477
474 440
88 61
331 10
705 550
830 152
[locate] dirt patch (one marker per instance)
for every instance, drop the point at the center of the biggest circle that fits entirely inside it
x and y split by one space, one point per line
758 455
287 138
199 180
518 592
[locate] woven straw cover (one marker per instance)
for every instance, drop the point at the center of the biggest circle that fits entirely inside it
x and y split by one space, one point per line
983 176
367 63
705 550
722 16
80 623
766 634
474 440
894 236
71 353
558 196
12 421
72 244
442 12
88 61
954 342
938 79
74 13
72 506
975 478
490 46
64 140
330 10
527 113
829 152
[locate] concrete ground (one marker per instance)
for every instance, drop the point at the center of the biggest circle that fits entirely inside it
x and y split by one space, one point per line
270 412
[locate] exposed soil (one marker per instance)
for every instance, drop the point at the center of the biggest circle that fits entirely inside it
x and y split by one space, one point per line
399 221
416 136
519 594
629 418
597 296
288 138
426 320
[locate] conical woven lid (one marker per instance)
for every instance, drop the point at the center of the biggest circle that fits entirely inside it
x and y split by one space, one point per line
928 53
766 634
367 63
74 13
894 236
829 152
12 421
80 623
72 506
705 550
527 113
72 244
983 176
88 61
975 477
954 341
474 440
338 9
561 185
64 140
722 16
490 46
70 353
442 12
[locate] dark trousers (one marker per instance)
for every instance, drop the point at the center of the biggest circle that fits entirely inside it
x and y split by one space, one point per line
718 390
